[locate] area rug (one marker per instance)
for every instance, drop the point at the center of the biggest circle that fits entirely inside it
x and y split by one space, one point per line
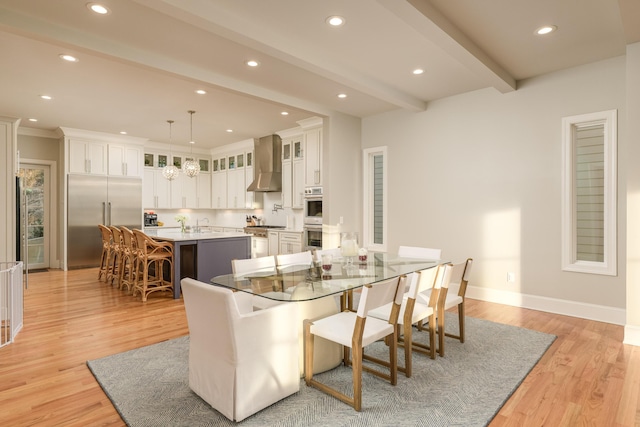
149 386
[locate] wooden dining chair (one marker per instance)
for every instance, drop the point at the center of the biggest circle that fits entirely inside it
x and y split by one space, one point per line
354 331
298 258
459 280
412 312
334 252
270 290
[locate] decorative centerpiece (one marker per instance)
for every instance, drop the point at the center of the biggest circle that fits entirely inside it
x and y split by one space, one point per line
349 246
182 220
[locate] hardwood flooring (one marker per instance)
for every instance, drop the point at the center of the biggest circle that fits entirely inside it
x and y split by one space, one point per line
587 377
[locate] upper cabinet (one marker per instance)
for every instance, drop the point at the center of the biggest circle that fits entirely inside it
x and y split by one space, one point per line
87 157
293 172
313 157
96 153
124 160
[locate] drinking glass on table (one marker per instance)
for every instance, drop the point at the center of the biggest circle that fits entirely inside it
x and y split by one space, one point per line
327 260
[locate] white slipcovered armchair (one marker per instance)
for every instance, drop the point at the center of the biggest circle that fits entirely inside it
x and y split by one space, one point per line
240 361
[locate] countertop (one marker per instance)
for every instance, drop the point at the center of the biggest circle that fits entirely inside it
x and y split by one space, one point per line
175 235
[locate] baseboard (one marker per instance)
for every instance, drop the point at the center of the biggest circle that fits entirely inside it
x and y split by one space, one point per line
631 335
600 313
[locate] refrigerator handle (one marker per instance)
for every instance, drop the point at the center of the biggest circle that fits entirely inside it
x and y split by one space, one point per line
109 203
104 213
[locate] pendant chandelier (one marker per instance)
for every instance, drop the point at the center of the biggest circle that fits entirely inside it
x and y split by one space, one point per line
170 171
191 167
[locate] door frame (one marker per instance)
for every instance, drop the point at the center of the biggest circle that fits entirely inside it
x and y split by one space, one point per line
54 259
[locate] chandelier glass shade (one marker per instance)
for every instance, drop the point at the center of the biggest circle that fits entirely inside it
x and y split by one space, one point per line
170 172
191 167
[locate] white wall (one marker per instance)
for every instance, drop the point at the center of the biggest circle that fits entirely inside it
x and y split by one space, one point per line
632 153
479 175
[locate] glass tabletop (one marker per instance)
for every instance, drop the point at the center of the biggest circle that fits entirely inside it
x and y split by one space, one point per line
304 283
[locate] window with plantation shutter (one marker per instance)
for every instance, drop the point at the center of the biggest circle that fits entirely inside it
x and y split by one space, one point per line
375 199
589 192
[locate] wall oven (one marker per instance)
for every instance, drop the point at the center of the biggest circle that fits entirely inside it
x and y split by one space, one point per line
313 206
312 218
312 237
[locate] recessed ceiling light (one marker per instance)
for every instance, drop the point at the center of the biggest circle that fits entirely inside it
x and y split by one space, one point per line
98 8
201 92
252 63
418 71
230 130
47 97
285 113
342 95
123 132
69 58
546 30
335 21
33 120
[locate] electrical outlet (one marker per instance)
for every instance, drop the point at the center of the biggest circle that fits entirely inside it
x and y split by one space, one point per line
341 220
511 277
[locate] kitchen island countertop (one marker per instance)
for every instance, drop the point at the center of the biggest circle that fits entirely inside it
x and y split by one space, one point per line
175 235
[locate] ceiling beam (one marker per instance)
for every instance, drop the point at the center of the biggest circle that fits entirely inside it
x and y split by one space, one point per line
435 27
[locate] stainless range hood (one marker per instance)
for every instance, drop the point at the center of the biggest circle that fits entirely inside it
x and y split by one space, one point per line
267 171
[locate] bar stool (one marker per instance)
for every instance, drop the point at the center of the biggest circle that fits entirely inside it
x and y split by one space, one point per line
113 275
129 260
156 254
103 272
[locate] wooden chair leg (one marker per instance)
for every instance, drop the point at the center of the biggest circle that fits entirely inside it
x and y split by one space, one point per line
408 353
441 333
356 363
461 320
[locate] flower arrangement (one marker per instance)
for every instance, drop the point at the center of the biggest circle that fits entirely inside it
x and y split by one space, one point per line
182 219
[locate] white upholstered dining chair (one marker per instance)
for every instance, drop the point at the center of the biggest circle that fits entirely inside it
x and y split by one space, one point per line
240 360
354 331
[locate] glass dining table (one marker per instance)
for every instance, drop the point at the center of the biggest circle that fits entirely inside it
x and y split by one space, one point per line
305 283
316 292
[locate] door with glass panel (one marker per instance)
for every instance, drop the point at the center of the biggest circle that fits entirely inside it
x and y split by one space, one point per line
34 215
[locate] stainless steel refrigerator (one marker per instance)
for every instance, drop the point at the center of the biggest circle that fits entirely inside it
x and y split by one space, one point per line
94 200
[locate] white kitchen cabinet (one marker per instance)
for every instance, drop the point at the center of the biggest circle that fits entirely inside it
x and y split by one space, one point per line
203 200
259 247
124 160
313 156
236 189
293 175
219 184
184 192
289 242
274 242
156 190
251 200
87 157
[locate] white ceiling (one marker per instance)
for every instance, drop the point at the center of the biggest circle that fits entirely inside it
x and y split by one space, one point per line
141 64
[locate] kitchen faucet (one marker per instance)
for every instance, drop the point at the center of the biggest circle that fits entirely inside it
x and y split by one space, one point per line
276 207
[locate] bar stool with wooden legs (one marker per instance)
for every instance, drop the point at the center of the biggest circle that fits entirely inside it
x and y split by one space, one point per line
116 256
129 260
152 254
103 272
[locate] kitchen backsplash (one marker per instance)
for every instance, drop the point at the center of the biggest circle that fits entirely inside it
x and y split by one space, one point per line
272 214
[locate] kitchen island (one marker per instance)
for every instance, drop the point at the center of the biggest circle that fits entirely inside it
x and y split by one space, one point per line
203 255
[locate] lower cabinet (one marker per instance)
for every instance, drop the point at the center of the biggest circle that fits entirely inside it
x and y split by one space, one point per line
274 246
290 242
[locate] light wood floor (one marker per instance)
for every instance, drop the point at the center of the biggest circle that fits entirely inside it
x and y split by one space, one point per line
587 378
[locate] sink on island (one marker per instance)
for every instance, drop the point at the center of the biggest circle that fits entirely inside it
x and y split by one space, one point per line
202 255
